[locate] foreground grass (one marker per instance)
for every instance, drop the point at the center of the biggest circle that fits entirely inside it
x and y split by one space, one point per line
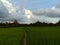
11 36
35 35
43 35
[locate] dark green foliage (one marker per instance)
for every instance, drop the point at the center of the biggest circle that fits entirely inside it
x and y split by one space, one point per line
11 36
35 35
43 36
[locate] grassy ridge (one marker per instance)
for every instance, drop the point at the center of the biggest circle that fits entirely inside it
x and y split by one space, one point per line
11 36
43 35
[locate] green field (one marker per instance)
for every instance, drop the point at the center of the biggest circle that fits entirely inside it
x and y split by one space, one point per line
35 35
43 36
11 36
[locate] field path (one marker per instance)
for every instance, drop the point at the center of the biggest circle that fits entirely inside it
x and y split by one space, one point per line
25 37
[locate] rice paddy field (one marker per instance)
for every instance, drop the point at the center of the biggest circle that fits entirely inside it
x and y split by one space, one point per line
35 35
43 36
11 36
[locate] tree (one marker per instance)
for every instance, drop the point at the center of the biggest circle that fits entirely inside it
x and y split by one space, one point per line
15 23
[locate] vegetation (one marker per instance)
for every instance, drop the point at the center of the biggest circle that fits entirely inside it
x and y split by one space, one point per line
16 24
11 36
35 35
43 35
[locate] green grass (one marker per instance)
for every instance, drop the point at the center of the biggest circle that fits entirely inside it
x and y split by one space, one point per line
43 35
35 35
11 36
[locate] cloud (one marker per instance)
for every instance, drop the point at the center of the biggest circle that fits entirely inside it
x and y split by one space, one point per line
3 11
57 5
13 11
10 8
50 12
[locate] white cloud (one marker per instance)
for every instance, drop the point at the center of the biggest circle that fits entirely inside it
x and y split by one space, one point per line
3 11
50 12
47 15
10 8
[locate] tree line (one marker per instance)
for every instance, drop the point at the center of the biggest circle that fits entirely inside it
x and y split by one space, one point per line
16 24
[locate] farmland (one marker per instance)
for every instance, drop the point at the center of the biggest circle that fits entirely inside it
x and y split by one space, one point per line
49 35
44 36
11 36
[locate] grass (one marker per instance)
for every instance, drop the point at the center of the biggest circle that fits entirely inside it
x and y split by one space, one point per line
11 36
35 35
43 36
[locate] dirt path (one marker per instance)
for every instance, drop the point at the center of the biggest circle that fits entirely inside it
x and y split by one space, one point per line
25 38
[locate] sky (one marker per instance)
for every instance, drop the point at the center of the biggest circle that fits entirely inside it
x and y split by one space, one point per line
35 4
30 11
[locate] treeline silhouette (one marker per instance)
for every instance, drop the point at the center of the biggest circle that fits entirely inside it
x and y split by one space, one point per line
16 24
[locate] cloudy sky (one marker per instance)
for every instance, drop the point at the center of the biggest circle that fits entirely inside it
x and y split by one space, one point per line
30 11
